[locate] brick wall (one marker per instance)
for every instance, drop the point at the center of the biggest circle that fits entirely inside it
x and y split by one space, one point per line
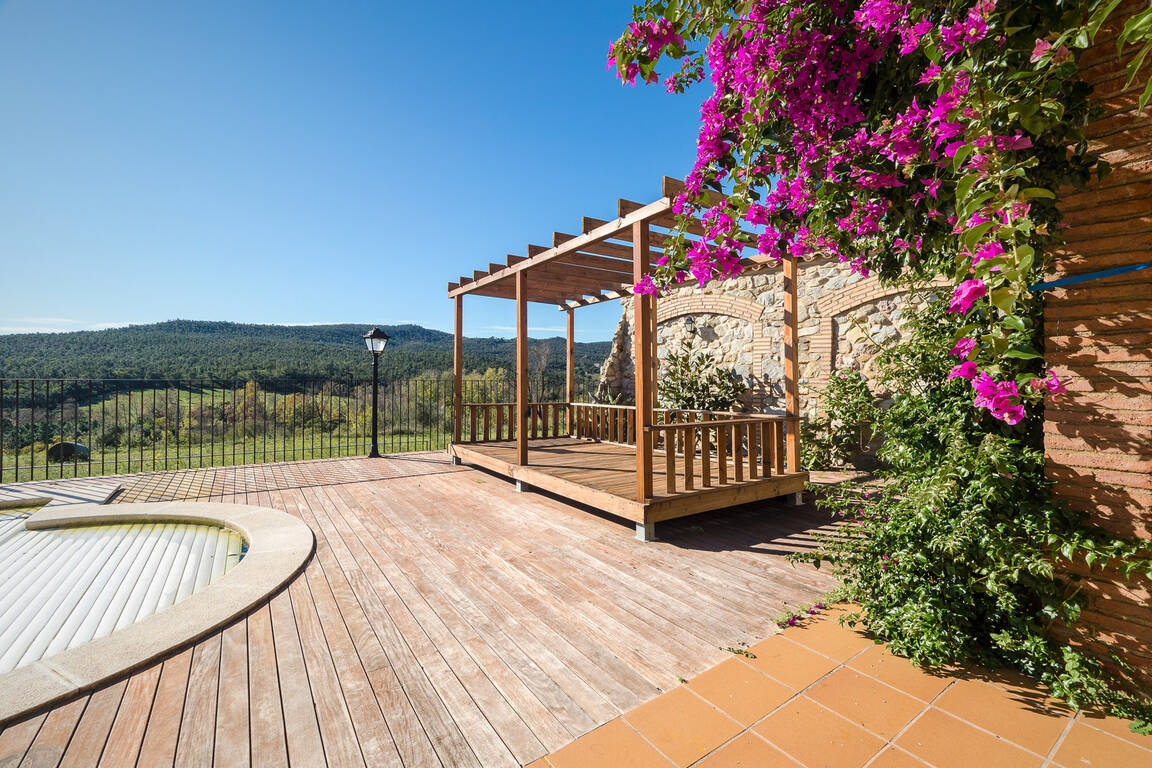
1098 437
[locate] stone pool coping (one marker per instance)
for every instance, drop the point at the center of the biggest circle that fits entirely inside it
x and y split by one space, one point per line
279 545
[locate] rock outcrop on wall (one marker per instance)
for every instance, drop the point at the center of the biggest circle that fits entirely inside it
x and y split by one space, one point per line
843 319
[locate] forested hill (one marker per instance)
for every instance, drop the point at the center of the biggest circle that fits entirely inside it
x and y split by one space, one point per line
192 348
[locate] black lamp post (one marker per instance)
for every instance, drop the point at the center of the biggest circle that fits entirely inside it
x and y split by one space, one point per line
375 340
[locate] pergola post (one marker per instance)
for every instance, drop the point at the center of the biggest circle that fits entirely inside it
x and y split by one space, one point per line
522 367
642 357
458 369
570 379
791 364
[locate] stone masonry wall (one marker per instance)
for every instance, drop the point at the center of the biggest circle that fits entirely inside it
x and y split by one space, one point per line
842 318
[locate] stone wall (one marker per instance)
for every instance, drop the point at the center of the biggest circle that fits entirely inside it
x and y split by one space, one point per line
843 317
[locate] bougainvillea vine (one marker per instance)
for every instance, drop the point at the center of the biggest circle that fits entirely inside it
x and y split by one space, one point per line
901 137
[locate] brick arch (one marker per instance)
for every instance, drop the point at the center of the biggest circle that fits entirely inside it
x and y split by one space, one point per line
863 292
703 303
842 301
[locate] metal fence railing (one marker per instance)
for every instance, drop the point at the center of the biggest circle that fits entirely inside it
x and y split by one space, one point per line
56 428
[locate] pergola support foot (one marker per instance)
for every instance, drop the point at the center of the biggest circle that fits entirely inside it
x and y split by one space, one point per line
646 531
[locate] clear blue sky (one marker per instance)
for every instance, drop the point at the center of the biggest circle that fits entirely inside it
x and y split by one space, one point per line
301 162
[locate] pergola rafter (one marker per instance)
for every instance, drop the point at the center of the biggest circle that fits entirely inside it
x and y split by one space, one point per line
602 264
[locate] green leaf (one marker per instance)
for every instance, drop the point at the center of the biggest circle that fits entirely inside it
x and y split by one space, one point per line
961 155
974 235
1004 299
1032 192
1025 255
1100 15
1022 354
1014 322
1144 97
965 186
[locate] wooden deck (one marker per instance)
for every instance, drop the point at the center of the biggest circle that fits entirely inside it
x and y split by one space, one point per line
603 475
445 620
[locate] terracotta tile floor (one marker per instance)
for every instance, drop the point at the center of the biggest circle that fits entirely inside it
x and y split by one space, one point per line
824 695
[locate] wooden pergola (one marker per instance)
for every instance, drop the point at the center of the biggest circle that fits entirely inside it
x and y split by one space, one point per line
641 462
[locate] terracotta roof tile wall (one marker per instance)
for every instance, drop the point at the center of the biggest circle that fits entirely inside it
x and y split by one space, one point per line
1098 437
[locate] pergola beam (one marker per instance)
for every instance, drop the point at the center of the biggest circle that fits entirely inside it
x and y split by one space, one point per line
612 250
606 231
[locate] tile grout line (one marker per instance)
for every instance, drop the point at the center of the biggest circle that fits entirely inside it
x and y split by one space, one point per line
636 730
1051 758
744 728
996 736
913 721
1086 724
930 705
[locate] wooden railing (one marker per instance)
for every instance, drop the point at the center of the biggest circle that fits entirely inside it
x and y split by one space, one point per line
695 449
488 422
600 421
709 448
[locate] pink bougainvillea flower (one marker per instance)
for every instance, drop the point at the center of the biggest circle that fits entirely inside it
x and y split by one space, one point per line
963 347
910 36
930 74
966 294
985 387
757 214
1010 414
965 370
1018 141
1042 47
880 15
646 286
953 148
1051 383
988 251
933 186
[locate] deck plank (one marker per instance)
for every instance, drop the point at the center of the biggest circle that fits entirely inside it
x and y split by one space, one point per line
127 733
232 744
301 719
196 743
18 737
47 749
268 745
91 734
159 745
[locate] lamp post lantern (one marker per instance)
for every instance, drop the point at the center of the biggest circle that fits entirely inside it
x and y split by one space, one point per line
375 340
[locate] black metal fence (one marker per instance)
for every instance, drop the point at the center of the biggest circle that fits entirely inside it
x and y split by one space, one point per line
55 428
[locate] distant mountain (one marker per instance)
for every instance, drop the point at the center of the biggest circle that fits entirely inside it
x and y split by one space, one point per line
193 348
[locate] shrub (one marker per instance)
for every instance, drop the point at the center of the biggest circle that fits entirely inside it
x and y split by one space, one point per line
961 552
691 380
829 439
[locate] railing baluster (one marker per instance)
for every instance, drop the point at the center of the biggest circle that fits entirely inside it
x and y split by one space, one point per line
753 435
670 460
705 452
722 454
738 453
778 447
689 445
487 410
